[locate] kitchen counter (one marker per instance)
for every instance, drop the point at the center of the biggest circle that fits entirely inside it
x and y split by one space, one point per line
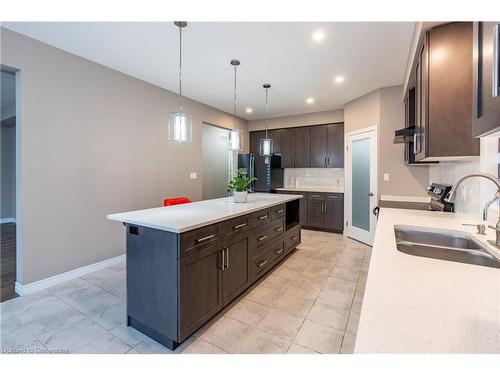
185 217
420 305
315 189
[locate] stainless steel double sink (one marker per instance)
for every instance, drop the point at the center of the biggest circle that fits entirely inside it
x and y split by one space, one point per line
443 244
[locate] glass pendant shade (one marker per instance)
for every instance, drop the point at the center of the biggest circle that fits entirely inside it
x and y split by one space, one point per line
234 140
179 127
266 147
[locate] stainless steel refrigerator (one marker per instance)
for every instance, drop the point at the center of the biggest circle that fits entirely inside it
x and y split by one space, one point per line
267 170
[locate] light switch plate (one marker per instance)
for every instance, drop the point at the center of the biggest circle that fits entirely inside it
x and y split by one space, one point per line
386 176
193 175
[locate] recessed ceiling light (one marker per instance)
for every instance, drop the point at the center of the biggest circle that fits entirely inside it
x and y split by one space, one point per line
339 79
249 110
310 100
318 36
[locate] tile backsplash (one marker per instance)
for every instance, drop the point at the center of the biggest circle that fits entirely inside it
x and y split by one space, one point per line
448 172
295 178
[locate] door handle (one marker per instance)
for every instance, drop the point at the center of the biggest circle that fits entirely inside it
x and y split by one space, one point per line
279 251
262 217
370 194
280 211
261 238
325 208
262 264
279 229
294 238
239 226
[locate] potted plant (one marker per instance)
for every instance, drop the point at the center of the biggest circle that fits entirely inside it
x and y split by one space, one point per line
239 186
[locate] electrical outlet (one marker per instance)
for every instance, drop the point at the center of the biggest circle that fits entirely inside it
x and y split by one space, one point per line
193 175
386 176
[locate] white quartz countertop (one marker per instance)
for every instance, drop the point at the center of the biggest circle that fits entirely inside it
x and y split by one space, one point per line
420 305
185 217
315 189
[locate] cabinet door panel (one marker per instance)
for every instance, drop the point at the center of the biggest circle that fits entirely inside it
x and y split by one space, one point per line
334 215
200 289
318 146
235 277
303 147
255 138
315 215
287 147
303 211
335 142
275 136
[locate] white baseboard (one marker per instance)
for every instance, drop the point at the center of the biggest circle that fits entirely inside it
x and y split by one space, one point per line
8 220
36 286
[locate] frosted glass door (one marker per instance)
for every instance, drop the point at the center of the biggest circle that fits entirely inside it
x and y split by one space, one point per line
361 183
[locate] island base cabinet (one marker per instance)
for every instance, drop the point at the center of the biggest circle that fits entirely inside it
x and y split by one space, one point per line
177 282
200 289
235 276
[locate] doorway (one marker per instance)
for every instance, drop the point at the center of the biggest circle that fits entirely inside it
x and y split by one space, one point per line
218 161
361 184
8 185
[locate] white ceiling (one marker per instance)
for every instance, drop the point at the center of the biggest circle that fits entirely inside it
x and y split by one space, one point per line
369 55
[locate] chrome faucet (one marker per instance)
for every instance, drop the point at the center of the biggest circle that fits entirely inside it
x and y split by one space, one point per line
450 198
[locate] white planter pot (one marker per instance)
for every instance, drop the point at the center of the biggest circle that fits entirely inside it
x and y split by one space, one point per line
240 196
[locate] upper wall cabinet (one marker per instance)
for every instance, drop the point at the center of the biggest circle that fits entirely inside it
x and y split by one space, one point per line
443 93
486 78
317 146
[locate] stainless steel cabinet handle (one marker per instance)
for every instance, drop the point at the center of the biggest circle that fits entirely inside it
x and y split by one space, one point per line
280 211
415 143
279 251
315 196
261 238
295 238
206 238
239 226
262 264
262 217
279 229
496 61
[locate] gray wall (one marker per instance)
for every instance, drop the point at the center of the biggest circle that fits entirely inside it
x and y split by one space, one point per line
93 141
315 118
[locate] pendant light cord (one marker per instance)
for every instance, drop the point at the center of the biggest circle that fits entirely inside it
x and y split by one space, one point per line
180 69
235 122
267 114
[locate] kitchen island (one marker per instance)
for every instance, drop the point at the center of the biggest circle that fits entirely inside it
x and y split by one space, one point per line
416 304
186 262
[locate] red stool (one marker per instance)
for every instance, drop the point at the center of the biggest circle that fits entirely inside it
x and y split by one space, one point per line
175 201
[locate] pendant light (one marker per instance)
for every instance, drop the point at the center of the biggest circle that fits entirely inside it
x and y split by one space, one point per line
234 134
180 123
266 144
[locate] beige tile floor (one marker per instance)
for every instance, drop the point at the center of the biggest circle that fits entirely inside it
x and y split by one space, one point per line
310 303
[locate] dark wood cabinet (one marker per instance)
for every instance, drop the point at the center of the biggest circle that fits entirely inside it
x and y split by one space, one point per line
303 147
200 292
318 146
236 276
444 93
315 214
176 282
335 145
287 146
334 212
486 78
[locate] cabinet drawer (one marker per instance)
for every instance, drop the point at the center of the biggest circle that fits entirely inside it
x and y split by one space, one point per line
266 258
260 217
236 226
199 239
334 196
316 196
292 238
265 234
277 211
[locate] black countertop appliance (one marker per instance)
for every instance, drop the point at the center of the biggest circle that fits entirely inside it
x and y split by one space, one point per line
267 170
